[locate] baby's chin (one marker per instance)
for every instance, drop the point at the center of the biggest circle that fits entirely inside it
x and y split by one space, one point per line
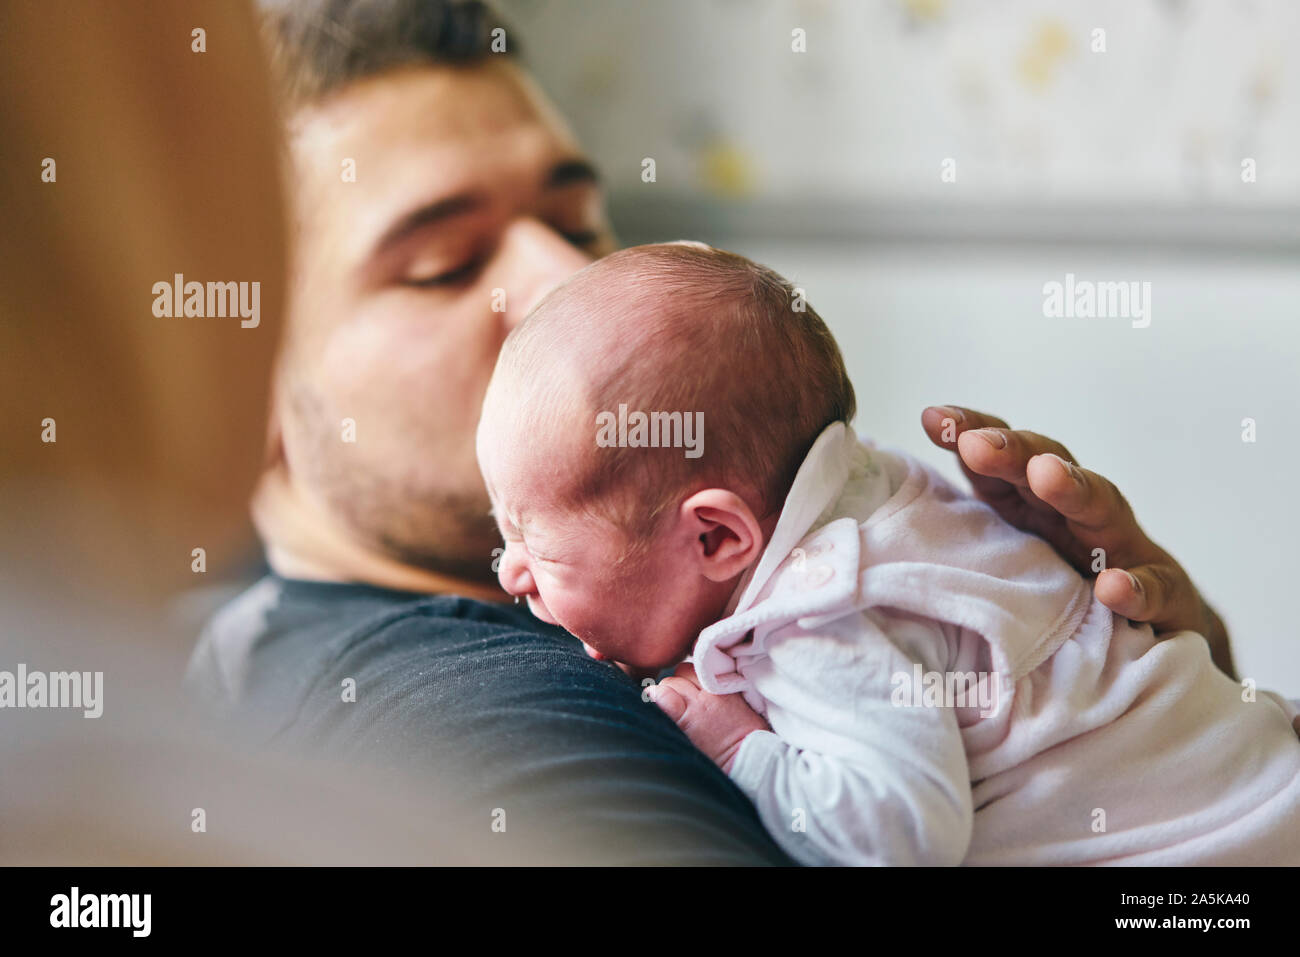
540 612
651 665
599 649
657 663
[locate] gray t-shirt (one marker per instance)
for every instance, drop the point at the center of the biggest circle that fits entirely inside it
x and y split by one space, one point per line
499 712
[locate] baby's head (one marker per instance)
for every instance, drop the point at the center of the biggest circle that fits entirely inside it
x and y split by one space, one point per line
640 434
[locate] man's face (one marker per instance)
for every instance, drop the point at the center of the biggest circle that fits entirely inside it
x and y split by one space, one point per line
470 202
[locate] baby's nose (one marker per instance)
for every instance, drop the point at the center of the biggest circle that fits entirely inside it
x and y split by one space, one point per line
513 572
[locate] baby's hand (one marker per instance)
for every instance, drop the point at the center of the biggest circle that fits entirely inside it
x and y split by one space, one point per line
716 724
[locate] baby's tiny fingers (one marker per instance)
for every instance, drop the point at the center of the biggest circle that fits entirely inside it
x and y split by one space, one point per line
685 671
670 701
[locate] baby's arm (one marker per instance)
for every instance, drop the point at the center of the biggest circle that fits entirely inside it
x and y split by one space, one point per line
851 778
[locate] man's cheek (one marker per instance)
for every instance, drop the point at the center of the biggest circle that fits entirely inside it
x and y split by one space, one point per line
399 353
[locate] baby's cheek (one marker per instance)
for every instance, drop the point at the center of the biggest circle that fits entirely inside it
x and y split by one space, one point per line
582 618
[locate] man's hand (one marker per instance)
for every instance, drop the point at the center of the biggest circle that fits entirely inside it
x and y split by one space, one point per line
1034 483
716 724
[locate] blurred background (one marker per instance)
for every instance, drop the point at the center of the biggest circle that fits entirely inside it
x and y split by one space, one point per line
1117 164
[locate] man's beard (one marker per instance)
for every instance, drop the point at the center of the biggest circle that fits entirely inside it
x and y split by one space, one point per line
401 515
459 541
451 534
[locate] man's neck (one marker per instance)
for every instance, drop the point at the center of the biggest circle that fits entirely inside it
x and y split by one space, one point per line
304 541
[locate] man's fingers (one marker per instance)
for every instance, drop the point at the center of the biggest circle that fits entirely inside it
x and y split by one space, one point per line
1033 482
1158 593
1005 453
943 423
1097 514
1095 509
1121 592
992 454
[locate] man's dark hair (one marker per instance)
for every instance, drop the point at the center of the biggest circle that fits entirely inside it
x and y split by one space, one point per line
318 46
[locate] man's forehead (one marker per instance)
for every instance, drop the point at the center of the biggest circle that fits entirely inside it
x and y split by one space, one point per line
420 135
442 112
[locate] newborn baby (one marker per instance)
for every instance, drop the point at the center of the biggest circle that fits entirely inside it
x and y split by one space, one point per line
890 672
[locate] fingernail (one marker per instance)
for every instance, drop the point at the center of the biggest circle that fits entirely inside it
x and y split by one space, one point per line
1070 467
1137 585
992 436
652 692
952 412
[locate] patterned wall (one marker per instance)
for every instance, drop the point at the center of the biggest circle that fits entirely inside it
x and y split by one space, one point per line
1012 90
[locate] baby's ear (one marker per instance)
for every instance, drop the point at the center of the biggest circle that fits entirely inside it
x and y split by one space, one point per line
727 538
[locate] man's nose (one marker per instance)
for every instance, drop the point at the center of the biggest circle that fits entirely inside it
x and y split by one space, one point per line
538 259
513 573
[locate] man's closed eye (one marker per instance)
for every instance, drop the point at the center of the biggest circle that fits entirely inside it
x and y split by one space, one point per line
452 277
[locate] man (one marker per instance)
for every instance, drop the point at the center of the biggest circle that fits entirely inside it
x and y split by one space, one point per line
438 196
147 451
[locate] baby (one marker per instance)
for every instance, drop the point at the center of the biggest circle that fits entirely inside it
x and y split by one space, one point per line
890 672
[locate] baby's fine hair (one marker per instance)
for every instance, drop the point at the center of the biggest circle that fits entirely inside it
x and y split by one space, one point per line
683 327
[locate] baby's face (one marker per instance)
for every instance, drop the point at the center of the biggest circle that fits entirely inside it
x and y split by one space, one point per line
645 612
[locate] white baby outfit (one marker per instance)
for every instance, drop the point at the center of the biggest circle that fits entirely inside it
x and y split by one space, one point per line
1102 745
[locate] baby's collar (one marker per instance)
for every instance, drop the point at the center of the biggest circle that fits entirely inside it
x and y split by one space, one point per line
816 487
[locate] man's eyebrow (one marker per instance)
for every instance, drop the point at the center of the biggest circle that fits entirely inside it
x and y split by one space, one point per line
564 173
572 171
427 214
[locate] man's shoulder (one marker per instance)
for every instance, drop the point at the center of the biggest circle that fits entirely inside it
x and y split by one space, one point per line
271 649
483 702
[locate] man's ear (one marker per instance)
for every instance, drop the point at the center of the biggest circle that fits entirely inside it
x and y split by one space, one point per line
727 536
